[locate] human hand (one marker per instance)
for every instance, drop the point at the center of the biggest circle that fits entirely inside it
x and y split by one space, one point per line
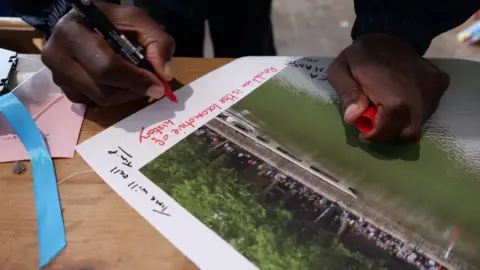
85 67
385 71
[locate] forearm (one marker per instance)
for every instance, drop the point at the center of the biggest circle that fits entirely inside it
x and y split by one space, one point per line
418 22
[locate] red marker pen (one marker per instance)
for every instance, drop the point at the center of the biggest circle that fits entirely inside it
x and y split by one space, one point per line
168 91
366 122
123 46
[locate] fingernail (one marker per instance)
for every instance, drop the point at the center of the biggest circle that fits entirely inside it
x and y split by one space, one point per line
168 72
155 91
350 112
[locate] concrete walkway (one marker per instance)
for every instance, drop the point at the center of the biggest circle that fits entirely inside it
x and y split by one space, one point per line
322 28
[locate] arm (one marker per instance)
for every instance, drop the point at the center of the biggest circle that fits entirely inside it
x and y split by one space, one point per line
42 14
417 21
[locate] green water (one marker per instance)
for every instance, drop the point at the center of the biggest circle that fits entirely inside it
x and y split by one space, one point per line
416 184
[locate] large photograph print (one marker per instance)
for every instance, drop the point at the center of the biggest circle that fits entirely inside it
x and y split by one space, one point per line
275 175
254 168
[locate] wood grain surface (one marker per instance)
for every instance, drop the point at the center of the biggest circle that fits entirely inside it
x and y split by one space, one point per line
103 232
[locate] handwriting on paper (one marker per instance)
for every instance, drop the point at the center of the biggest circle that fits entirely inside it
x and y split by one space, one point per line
126 157
125 162
310 65
164 131
156 132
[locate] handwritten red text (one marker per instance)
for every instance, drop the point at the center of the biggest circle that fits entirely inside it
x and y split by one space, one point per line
190 123
156 131
260 77
161 133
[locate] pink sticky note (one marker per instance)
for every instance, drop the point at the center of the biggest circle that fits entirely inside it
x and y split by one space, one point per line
57 118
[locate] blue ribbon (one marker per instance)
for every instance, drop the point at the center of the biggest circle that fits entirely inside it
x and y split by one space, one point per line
51 231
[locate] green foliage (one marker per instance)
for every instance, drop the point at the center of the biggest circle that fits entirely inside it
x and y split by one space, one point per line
212 191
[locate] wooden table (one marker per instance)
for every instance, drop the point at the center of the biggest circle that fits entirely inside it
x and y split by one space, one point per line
103 232
16 35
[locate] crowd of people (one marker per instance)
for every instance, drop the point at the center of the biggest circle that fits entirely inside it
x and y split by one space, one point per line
318 207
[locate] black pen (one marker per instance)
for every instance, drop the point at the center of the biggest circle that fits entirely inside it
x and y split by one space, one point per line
102 25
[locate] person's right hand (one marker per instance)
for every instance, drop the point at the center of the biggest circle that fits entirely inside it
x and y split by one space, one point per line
85 67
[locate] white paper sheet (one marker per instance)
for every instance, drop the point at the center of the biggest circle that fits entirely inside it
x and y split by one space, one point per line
118 153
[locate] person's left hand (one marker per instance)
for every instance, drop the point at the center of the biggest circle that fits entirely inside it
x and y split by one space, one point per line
385 71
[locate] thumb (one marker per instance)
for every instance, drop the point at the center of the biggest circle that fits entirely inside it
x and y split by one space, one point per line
354 103
352 99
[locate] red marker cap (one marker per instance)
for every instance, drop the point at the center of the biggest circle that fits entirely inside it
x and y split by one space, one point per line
366 122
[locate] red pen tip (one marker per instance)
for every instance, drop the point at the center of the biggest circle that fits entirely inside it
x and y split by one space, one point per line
171 97
168 92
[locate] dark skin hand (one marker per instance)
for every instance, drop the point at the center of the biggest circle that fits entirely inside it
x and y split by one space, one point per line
385 71
85 67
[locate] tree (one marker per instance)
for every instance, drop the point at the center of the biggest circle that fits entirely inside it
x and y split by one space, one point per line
215 195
